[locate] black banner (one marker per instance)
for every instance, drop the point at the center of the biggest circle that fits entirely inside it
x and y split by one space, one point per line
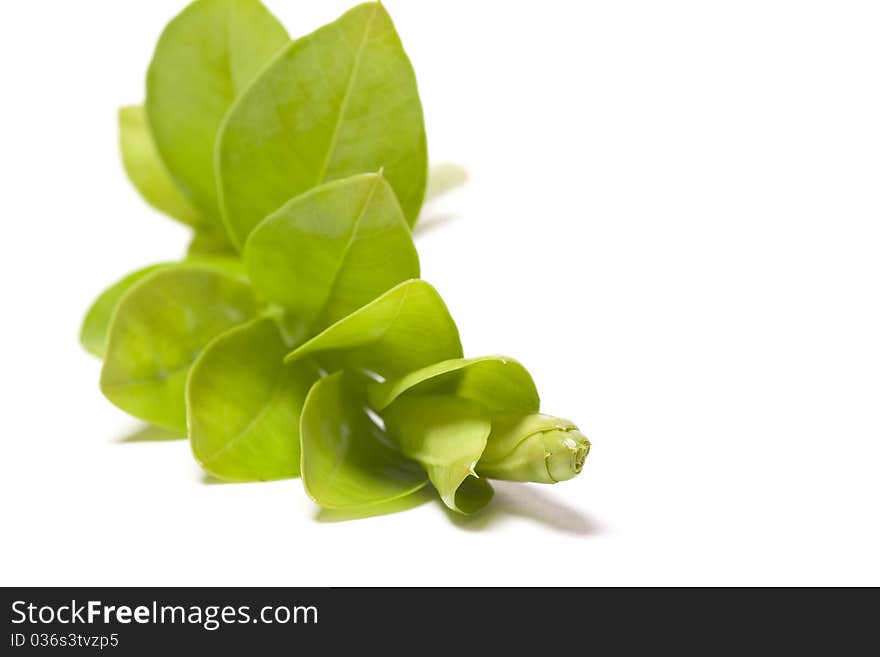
125 621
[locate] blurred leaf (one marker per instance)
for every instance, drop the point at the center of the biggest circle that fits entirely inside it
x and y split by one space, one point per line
443 178
148 172
210 243
159 328
93 334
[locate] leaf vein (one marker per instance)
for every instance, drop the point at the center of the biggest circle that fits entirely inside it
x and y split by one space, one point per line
351 240
343 106
254 421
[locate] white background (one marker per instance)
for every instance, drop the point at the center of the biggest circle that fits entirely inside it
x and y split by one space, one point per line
672 220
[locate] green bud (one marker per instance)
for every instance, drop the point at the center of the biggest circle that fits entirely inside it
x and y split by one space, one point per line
534 447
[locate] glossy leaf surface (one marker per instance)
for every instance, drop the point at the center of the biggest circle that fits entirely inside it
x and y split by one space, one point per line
244 405
204 59
347 462
147 171
447 436
332 250
405 329
337 102
159 328
499 383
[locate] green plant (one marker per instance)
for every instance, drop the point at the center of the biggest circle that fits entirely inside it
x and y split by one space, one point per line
295 338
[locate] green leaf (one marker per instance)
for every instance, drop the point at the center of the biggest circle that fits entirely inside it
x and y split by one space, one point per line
338 102
332 250
406 328
472 495
210 243
244 405
159 328
204 59
347 462
447 436
500 384
93 334
147 171
223 263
